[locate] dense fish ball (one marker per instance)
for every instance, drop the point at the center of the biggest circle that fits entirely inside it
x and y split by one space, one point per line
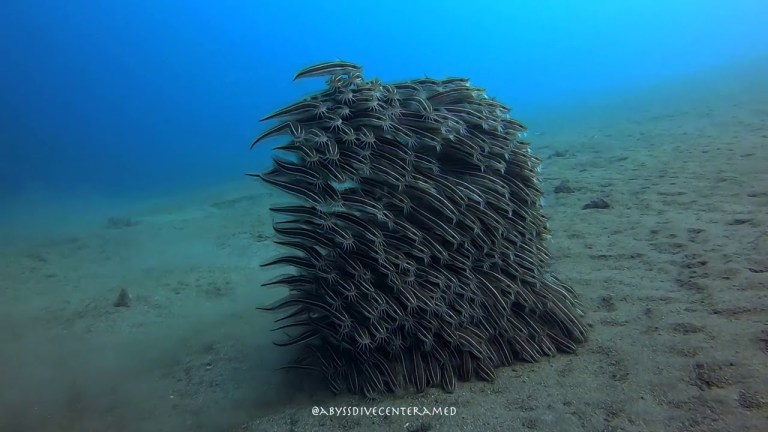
417 246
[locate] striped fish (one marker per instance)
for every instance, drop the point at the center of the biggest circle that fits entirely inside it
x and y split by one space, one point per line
448 378
386 371
337 67
561 343
301 262
431 196
455 81
465 367
305 152
375 380
287 127
307 336
365 226
484 370
419 374
295 170
290 280
451 95
448 232
310 251
330 171
294 109
299 189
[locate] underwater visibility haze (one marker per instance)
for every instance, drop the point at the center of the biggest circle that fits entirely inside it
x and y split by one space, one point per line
475 191
115 99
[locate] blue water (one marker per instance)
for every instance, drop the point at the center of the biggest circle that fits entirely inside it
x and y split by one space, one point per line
136 98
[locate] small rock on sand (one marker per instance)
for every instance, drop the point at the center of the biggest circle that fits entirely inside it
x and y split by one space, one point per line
123 299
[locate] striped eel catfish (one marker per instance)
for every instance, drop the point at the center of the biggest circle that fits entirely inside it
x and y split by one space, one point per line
417 252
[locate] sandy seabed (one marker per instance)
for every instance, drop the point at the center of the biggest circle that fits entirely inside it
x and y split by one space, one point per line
673 277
